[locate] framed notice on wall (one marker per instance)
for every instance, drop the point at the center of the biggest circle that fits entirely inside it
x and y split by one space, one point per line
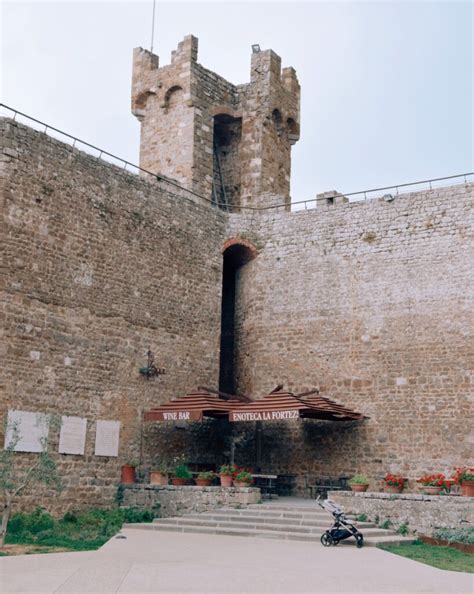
26 431
72 439
107 438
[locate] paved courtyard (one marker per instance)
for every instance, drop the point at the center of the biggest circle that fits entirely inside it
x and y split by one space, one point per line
168 562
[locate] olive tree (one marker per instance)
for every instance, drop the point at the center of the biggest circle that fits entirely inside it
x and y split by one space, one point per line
17 478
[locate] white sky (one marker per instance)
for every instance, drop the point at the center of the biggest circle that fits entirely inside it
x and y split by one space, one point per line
386 86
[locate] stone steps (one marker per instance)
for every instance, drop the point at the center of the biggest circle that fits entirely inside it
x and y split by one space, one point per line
323 522
369 540
250 525
289 513
304 523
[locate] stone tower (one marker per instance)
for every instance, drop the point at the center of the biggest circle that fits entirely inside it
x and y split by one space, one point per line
231 143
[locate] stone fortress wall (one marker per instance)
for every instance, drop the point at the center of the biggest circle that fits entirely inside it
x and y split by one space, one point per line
100 266
371 302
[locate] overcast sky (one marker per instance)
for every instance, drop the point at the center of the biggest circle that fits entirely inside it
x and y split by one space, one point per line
386 86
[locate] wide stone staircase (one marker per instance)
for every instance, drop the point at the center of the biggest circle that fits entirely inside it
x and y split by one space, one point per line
272 520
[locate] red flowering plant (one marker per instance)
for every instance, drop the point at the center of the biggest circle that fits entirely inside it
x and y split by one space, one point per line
394 480
463 473
433 480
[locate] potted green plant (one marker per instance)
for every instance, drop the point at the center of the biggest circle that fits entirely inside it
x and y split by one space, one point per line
433 484
205 478
464 476
181 475
243 479
393 483
160 475
226 474
128 476
359 483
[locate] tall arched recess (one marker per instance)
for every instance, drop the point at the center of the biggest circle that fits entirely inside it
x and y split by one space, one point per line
236 253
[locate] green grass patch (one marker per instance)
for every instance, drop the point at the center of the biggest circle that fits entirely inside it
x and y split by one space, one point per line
82 531
440 557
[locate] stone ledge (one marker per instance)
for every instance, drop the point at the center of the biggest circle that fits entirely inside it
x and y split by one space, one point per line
179 501
421 513
402 496
188 488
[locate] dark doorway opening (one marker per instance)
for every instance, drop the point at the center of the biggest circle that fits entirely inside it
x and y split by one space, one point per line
226 161
235 256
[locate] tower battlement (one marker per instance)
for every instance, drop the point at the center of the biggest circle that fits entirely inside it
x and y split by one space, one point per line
228 142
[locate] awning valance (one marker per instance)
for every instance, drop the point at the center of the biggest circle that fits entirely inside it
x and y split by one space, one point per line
281 405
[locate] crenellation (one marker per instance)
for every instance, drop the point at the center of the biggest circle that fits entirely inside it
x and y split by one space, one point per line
204 120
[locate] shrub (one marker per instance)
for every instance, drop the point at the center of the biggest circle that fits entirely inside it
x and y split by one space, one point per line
433 480
182 471
463 473
227 469
386 524
461 534
361 518
394 480
206 475
244 476
403 529
359 479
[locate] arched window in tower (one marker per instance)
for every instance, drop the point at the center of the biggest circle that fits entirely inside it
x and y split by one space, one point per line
293 129
277 121
173 96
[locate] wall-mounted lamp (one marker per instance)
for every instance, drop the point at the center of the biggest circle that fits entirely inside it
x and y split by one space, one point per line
151 370
255 48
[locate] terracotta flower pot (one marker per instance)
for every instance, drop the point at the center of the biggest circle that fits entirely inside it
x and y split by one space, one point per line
127 474
359 488
241 484
203 482
158 478
467 488
178 482
226 480
393 489
431 490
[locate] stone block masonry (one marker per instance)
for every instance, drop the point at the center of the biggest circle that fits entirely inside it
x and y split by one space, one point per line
421 513
373 303
179 501
231 142
101 265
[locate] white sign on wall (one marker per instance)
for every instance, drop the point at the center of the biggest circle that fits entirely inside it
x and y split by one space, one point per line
107 438
26 431
72 439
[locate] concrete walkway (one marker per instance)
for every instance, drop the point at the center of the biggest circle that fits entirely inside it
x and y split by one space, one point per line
169 562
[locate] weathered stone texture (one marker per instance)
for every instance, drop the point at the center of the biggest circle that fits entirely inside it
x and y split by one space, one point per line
193 120
178 501
101 265
422 513
373 303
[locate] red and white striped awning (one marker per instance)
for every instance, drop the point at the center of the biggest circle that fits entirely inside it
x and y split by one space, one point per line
192 407
281 405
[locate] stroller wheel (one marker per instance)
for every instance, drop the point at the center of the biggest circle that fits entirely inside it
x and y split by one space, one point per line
326 540
359 541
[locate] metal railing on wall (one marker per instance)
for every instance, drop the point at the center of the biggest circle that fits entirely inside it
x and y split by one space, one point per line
387 192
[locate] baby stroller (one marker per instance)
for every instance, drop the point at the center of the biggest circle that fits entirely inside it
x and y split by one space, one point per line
341 528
